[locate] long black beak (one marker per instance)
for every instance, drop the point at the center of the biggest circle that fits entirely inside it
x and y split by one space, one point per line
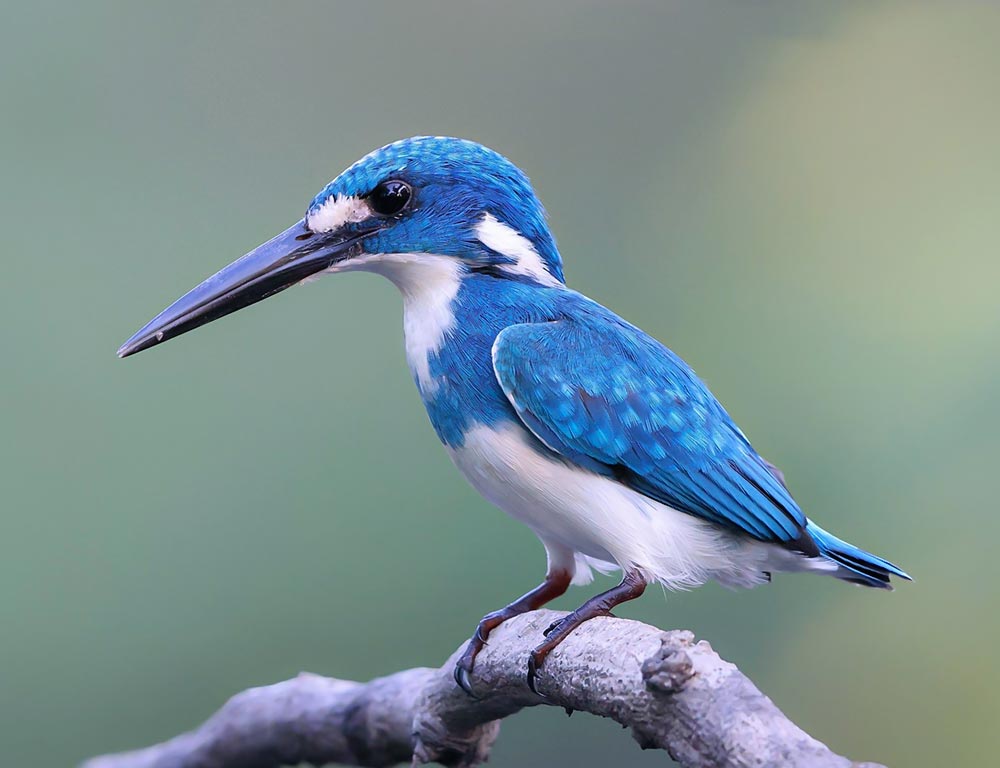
278 264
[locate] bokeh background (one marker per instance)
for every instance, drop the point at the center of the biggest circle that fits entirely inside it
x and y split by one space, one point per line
801 198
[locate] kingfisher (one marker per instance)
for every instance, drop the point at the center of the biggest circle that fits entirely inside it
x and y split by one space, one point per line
559 412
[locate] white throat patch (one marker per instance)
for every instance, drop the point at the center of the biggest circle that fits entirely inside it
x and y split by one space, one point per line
429 284
507 241
335 212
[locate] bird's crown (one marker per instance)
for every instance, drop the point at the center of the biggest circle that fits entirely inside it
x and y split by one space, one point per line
444 196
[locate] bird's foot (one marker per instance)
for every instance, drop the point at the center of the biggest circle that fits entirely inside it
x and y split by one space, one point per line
556 582
463 667
554 634
632 585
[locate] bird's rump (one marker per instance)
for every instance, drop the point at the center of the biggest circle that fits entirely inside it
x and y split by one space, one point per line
610 398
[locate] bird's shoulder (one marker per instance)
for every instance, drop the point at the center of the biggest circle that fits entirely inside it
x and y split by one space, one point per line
592 371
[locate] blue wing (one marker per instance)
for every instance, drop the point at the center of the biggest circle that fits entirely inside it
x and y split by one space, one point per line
608 397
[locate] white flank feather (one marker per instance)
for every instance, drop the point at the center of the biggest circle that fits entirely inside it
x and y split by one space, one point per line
607 524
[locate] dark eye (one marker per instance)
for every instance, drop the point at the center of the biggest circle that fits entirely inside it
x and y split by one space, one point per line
390 197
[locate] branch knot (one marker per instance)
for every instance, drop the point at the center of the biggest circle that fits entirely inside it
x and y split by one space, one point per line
667 670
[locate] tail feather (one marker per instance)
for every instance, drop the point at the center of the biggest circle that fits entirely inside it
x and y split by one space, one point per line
856 565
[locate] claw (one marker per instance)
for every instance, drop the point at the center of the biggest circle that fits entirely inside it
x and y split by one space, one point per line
532 676
462 679
552 627
463 667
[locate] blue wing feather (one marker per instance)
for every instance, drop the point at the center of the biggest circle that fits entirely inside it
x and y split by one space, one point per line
610 398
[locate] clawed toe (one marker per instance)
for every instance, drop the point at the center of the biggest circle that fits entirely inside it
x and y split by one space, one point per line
463 678
463 667
532 676
552 627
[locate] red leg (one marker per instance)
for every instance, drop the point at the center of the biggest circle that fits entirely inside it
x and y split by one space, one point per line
632 585
556 583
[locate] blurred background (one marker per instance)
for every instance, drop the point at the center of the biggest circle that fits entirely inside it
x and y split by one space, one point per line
801 198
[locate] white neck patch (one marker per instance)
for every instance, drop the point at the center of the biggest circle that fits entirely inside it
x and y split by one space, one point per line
335 212
507 241
429 284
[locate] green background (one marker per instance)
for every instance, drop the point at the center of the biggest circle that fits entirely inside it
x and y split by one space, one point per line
802 199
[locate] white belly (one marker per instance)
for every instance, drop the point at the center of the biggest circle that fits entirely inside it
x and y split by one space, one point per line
600 518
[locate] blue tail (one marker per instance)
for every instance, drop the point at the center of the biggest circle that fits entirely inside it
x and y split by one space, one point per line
856 565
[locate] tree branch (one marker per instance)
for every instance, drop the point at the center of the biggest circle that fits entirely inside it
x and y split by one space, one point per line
675 694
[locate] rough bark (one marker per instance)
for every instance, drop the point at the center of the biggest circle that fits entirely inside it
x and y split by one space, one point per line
672 692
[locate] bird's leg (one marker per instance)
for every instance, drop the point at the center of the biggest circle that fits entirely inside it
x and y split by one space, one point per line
632 585
556 583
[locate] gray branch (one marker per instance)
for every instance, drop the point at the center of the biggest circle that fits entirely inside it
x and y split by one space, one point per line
674 694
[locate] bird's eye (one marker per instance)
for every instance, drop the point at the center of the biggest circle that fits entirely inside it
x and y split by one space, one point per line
390 197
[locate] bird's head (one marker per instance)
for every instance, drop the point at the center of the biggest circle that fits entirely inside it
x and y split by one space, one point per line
414 202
